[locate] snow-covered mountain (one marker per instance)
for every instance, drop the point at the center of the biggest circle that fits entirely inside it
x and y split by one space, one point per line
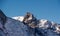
46 27
27 25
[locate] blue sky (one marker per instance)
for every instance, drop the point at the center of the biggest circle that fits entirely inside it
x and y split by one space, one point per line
42 9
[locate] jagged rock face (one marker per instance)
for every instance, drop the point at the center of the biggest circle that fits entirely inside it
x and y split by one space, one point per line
28 18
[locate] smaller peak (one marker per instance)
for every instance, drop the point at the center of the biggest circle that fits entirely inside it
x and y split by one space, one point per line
29 14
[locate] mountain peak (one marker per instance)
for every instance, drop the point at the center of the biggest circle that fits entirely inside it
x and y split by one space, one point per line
43 25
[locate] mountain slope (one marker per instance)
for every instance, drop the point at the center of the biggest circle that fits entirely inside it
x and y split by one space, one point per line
15 28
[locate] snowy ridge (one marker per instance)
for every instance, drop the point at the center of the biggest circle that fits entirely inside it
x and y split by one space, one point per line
20 18
52 28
